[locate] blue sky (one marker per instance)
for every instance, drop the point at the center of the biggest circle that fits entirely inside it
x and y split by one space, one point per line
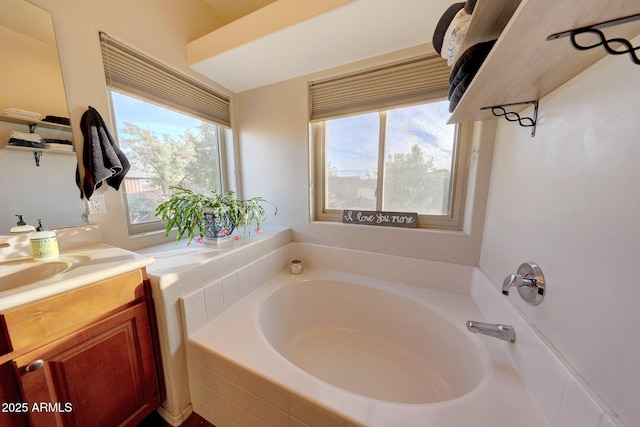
352 142
161 121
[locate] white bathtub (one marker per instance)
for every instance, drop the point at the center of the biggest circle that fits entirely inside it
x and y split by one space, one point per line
328 348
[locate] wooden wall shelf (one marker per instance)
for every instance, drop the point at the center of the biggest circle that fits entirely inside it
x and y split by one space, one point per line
32 125
38 123
523 65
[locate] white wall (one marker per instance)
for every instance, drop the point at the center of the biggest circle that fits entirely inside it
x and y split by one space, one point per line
568 199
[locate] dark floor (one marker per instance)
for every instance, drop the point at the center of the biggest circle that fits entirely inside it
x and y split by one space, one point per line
194 420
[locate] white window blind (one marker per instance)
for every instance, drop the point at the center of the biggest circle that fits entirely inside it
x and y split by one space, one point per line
137 74
402 83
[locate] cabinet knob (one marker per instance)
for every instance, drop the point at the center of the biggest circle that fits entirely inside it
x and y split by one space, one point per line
35 365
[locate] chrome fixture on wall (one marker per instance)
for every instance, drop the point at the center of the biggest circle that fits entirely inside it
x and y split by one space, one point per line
503 332
529 281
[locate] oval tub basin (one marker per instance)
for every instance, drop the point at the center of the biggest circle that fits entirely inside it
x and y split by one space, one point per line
371 342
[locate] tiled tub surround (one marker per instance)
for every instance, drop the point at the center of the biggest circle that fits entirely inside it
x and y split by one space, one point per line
224 387
563 397
180 269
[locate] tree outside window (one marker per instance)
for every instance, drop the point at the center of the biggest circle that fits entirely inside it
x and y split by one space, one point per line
165 148
418 151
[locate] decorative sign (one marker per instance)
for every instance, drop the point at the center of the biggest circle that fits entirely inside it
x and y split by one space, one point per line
389 219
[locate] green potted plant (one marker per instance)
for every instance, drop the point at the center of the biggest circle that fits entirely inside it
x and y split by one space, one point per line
214 217
243 213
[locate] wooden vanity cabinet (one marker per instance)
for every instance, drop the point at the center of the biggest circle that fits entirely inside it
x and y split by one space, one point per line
100 369
10 414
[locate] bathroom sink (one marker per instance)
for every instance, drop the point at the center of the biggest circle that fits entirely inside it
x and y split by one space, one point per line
17 273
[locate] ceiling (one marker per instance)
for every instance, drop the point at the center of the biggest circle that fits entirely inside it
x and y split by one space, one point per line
259 46
230 11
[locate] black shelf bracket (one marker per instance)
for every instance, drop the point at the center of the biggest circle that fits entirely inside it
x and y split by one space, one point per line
614 46
37 155
512 116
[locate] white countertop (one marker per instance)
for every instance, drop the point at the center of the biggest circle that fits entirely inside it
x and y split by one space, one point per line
97 262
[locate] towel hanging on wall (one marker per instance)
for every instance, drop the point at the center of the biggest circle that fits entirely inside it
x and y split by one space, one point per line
102 159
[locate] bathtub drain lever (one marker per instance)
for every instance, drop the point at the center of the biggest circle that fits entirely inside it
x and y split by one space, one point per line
496 330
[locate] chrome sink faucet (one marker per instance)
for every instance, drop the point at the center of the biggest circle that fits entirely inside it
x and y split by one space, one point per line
496 330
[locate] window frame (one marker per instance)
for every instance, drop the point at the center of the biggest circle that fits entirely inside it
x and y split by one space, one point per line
461 152
151 226
133 73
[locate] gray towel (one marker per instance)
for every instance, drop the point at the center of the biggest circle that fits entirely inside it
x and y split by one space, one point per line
103 160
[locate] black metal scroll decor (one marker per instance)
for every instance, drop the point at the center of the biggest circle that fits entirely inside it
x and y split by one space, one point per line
512 116
614 46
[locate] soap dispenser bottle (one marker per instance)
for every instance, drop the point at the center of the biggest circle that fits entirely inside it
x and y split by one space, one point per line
21 227
44 243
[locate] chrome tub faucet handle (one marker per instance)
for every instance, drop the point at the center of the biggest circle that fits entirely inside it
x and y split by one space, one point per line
517 281
509 281
529 281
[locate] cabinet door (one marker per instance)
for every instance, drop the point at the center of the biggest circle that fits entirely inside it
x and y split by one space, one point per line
13 412
103 375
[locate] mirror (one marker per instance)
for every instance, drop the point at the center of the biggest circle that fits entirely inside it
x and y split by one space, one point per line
31 80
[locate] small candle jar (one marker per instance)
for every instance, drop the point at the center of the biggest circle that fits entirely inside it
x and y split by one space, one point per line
296 266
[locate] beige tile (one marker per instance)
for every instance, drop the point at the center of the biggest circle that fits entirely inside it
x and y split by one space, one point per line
457 280
213 300
193 302
198 354
239 376
270 414
206 411
579 408
236 414
229 291
301 409
194 321
277 396
201 393
294 422
325 419
202 374
437 275
420 272
223 421
404 266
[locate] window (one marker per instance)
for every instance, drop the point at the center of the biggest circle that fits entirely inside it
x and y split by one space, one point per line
382 142
404 160
165 148
170 127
